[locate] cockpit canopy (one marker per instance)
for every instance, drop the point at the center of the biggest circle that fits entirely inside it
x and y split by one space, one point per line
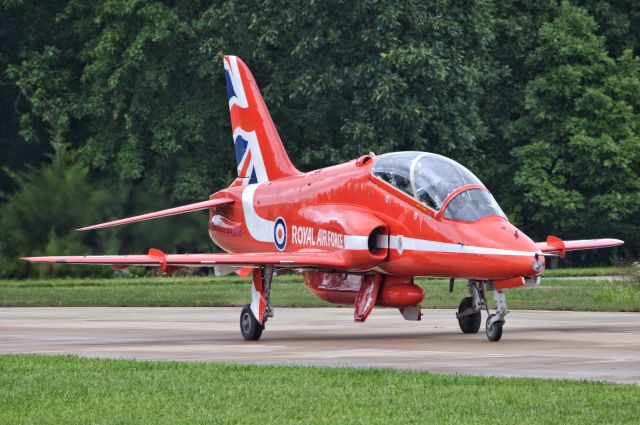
431 178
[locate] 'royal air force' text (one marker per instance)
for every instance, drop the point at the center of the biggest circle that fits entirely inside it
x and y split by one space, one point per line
304 235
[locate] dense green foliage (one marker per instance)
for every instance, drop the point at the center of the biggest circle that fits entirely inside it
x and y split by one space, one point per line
540 99
73 390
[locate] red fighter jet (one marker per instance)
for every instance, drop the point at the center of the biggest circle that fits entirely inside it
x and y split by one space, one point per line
359 232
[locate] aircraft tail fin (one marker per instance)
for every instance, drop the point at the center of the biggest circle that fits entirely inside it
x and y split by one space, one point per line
260 154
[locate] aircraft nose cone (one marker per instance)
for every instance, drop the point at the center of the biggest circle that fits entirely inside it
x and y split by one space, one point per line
538 265
523 258
534 264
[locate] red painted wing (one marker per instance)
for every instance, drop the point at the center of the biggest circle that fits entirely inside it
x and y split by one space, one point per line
157 258
164 213
557 246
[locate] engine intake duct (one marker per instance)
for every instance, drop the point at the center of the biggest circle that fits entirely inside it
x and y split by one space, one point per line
375 247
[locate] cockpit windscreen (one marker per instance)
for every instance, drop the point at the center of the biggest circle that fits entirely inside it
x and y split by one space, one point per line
472 205
435 177
428 177
431 178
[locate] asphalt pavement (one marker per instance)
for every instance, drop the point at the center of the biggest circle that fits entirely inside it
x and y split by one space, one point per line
549 344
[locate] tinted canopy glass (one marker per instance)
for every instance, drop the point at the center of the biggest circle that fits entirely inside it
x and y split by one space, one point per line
472 205
395 169
427 177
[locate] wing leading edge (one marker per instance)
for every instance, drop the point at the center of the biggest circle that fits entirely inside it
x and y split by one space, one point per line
556 246
211 203
156 258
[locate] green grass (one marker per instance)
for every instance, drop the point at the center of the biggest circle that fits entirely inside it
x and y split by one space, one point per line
72 390
588 271
289 291
172 291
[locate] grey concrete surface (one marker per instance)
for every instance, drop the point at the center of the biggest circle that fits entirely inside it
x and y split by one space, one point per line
571 345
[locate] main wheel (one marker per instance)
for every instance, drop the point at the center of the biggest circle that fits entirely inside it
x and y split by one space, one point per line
249 326
494 330
469 324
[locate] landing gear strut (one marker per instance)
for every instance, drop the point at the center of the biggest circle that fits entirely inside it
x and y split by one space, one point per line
469 312
267 277
254 315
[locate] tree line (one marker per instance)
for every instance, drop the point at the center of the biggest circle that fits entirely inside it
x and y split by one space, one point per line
116 107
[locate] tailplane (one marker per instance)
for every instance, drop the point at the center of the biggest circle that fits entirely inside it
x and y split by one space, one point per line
260 154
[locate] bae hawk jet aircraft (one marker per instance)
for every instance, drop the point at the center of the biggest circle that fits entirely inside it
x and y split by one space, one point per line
359 232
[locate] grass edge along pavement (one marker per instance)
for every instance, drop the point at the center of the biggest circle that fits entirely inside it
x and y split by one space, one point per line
289 291
70 390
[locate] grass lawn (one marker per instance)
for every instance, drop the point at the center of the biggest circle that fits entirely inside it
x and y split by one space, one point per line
588 271
289 291
72 390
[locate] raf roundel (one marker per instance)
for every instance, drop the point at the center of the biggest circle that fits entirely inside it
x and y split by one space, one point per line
280 233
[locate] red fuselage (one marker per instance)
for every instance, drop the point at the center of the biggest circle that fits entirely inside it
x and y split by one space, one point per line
346 209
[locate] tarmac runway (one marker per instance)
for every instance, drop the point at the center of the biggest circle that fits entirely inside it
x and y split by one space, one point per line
571 345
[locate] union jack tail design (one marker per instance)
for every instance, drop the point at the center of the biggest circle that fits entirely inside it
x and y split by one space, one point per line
259 151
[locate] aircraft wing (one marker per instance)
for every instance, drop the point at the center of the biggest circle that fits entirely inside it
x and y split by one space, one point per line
172 261
211 203
556 246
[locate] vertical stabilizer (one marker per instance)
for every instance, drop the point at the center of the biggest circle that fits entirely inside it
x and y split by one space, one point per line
260 154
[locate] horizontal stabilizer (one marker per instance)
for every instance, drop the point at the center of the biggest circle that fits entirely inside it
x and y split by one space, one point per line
164 213
556 246
156 258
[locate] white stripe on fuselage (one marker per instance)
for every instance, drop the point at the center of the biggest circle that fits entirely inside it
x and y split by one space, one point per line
356 243
260 229
423 245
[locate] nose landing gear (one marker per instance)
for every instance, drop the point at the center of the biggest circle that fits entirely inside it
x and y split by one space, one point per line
493 327
469 311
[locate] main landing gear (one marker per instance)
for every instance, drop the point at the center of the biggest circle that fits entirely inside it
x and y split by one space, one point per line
249 326
469 312
255 315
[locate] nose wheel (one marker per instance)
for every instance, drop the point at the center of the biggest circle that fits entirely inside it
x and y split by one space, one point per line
493 327
495 321
469 312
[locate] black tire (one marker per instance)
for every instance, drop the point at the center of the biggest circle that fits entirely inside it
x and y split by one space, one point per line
469 324
494 331
249 327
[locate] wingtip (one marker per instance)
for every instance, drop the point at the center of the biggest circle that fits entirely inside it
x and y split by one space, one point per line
37 259
31 259
51 259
